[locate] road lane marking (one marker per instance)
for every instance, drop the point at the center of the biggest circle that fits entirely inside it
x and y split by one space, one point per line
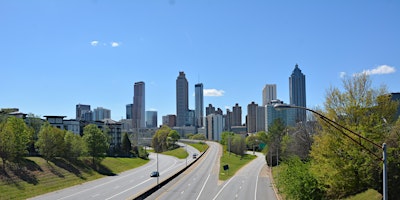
202 188
223 188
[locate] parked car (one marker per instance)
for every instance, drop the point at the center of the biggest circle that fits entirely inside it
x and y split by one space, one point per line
154 174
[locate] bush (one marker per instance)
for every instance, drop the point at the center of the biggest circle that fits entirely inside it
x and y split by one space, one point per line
296 181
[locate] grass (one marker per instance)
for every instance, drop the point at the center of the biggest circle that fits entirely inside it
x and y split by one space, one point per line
234 162
199 146
35 176
179 153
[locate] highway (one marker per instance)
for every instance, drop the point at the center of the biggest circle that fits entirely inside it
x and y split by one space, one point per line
201 182
126 184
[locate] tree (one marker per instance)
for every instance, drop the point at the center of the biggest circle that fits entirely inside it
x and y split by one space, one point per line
296 181
252 142
74 146
174 136
238 145
97 142
198 136
51 142
344 166
159 141
34 123
274 138
14 139
126 144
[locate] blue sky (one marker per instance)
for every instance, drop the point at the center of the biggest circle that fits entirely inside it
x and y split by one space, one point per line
56 54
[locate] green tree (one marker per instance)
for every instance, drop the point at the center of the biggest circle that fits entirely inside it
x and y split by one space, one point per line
51 142
341 164
226 137
34 123
74 146
174 136
238 145
275 134
14 139
198 136
296 181
126 144
252 142
159 141
97 142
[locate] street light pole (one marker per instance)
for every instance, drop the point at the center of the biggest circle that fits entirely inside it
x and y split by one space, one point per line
339 128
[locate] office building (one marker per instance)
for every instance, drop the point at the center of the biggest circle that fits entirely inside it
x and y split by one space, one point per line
252 117
287 116
81 109
268 93
260 125
182 99
129 111
297 90
151 119
101 113
214 127
236 115
169 120
138 113
199 104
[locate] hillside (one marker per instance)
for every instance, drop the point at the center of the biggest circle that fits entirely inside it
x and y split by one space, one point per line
35 176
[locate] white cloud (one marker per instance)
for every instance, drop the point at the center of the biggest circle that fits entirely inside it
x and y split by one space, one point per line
382 69
342 74
213 92
94 43
115 44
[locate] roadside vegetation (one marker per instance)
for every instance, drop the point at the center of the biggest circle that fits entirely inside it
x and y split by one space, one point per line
318 161
34 176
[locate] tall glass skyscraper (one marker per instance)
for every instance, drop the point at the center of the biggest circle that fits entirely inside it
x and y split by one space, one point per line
138 114
297 90
151 119
182 99
199 101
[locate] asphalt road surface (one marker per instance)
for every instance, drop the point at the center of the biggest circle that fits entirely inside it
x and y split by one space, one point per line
126 184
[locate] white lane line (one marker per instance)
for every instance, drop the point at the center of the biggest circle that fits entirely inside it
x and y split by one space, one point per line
129 189
202 188
223 187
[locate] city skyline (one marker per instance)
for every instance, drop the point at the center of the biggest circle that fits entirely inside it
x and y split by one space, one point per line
53 60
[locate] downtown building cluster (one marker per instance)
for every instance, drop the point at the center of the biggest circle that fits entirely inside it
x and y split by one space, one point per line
141 124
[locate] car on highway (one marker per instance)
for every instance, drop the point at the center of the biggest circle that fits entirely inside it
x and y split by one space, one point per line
154 174
194 155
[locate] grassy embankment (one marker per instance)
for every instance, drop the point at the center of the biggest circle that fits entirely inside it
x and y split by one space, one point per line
234 162
35 176
369 194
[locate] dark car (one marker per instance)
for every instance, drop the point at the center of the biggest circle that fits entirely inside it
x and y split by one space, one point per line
154 174
194 155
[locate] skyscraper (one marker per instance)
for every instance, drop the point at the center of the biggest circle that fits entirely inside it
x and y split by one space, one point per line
236 115
252 117
81 109
199 104
151 119
138 114
101 113
297 90
129 110
268 93
182 99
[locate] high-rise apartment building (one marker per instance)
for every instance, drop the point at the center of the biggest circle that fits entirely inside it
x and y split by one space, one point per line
297 90
268 93
101 113
151 119
199 104
129 111
236 115
138 114
81 109
182 99
260 126
252 117
169 120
